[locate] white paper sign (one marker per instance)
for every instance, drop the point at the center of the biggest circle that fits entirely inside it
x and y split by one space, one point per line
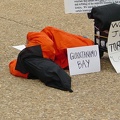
85 6
83 59
19 47
114 45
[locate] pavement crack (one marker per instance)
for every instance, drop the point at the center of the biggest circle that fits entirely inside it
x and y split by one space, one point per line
20 23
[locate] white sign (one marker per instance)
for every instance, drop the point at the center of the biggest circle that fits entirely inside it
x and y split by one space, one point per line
85 6
114 45
83 59
19 47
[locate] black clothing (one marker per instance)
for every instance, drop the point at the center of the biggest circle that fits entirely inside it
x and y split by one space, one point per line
104 15
31 60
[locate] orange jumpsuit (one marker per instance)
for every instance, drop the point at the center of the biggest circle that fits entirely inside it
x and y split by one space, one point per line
54 43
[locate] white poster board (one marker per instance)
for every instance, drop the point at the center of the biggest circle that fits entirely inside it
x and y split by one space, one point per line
85 6
114 45
83 59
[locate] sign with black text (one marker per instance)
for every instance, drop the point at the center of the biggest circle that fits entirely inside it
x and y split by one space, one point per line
83 59
114 45
85 6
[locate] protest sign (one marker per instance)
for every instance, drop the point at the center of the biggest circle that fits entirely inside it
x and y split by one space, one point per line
85 6
114 45
83 59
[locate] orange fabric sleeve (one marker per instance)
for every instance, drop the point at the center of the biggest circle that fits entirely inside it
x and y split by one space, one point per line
47 45
14 72
63 40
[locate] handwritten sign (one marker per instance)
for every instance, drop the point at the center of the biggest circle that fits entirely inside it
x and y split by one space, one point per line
85 6
83 59
114 45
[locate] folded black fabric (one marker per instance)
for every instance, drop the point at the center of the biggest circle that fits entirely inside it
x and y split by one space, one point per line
34 51
104 15
31 60
49 73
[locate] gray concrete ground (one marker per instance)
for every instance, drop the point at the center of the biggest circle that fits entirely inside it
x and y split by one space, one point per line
96 96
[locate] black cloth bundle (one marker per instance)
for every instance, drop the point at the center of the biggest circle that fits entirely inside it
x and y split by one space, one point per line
104 15
31 60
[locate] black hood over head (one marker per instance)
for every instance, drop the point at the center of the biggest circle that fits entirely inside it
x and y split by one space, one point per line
31 60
